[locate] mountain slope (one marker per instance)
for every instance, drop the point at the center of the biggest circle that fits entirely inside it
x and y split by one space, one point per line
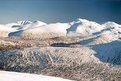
78 28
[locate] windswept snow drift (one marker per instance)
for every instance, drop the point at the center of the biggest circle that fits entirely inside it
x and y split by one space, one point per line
14 76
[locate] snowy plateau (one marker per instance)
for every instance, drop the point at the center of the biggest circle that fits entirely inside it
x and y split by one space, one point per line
80 50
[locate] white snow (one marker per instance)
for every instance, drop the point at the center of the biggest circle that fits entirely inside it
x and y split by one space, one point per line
5 30
83 27
80 27
46 31
15 76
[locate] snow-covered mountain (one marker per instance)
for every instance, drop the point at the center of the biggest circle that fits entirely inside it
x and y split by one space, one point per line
80 28
83 27
46 31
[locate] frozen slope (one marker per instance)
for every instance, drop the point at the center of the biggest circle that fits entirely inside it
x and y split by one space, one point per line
83 27
11 29
46 31
38 29
14 76
6 29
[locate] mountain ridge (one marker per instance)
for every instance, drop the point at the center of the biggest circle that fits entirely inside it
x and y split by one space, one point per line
79 28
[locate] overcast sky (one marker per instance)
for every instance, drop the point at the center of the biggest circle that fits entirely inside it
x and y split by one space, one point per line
60 10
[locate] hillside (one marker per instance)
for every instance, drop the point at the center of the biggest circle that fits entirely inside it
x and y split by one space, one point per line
80 50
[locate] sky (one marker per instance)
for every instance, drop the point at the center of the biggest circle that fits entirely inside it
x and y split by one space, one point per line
51 11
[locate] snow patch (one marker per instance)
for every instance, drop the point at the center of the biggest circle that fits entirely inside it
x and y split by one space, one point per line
15 76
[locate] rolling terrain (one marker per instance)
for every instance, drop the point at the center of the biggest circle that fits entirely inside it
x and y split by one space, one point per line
80 50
